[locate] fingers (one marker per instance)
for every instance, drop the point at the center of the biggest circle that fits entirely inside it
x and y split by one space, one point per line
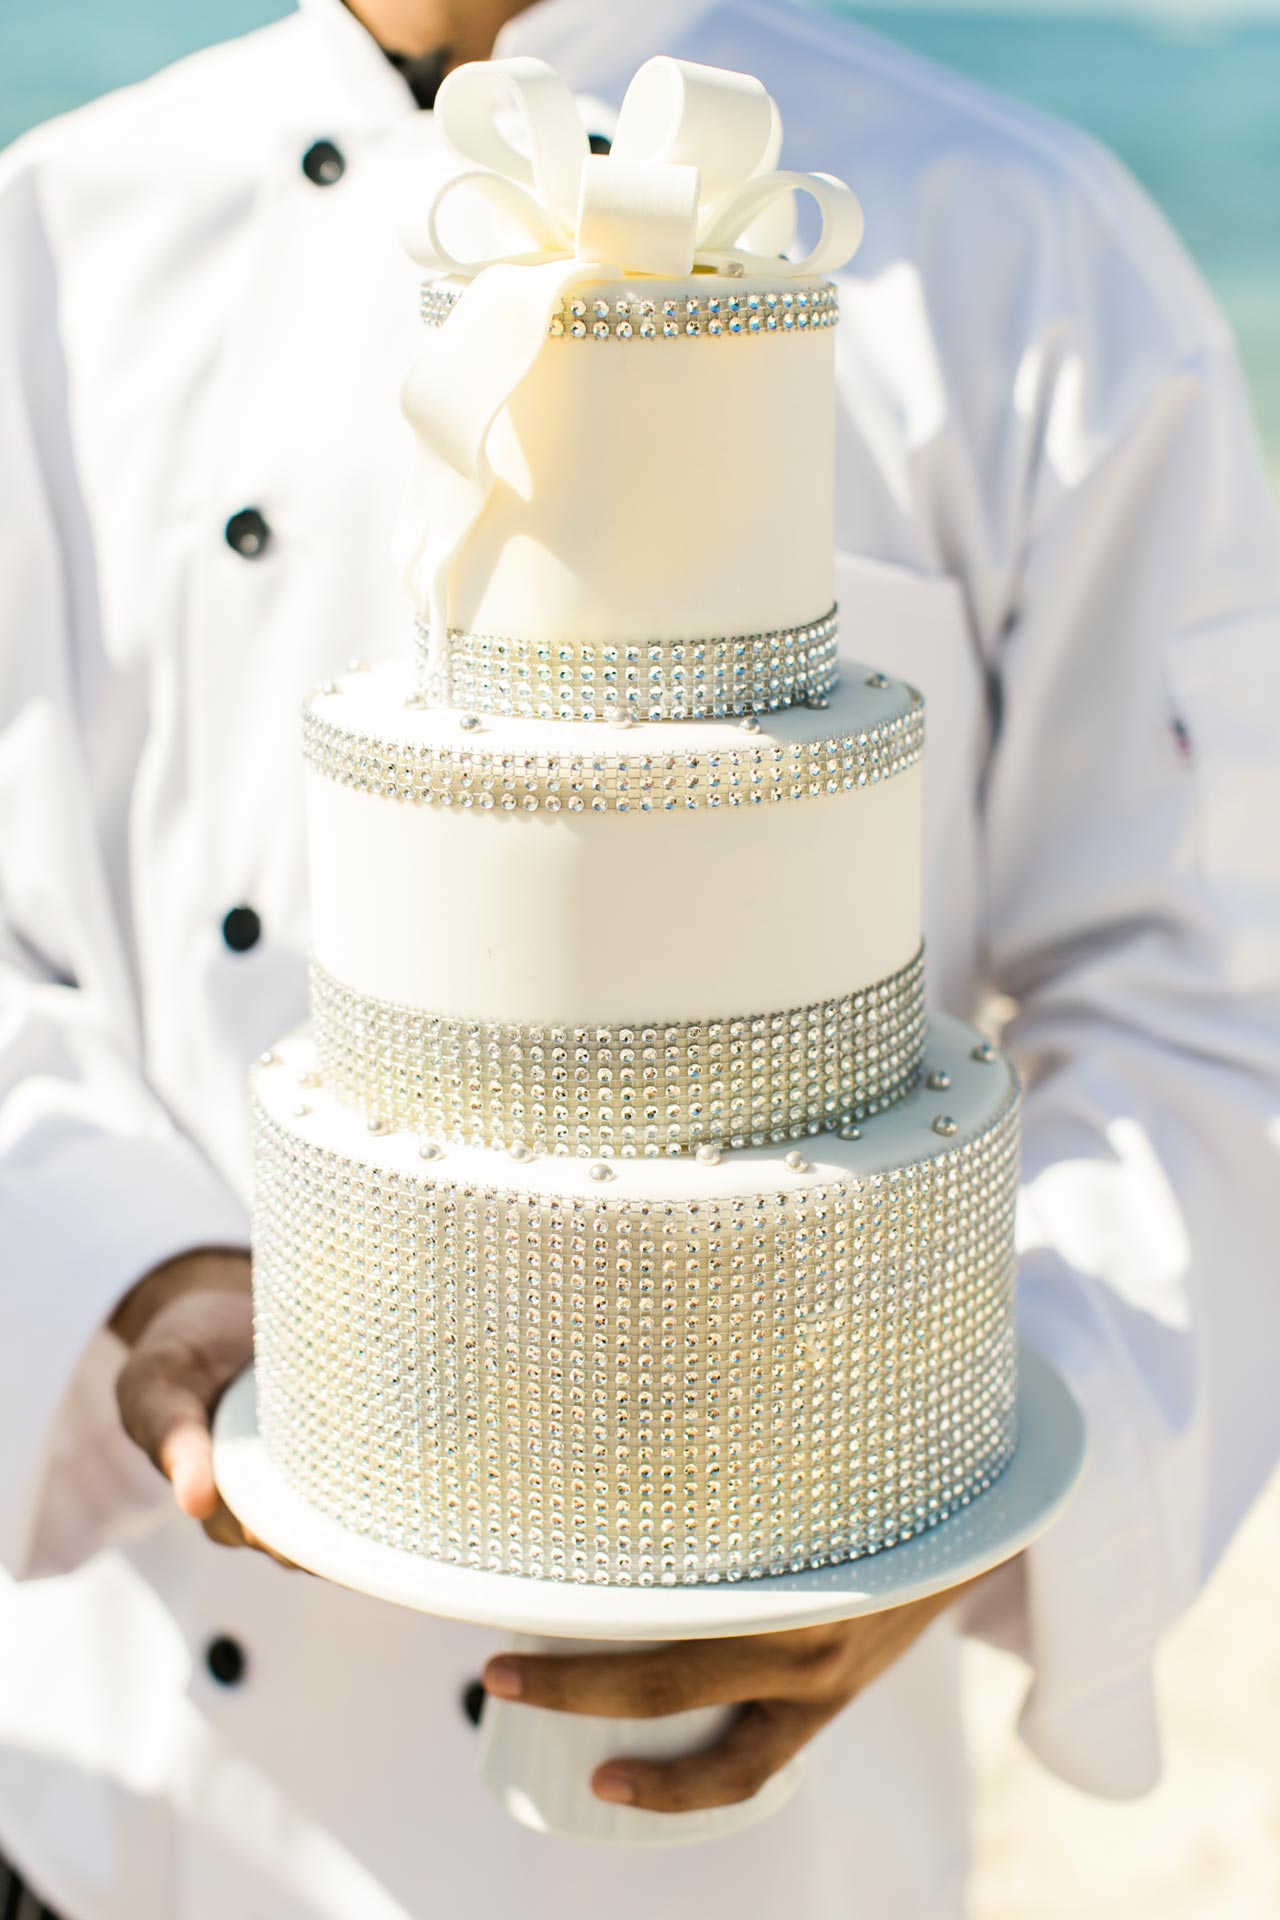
758 1744
225 1530
222 1527
669 1679
172 1381
167 1391
788 1685
164 1402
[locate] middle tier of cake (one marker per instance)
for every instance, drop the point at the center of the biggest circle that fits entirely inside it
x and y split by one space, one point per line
615 938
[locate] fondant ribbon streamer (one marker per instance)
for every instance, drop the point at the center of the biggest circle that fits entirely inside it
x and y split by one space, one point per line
691 181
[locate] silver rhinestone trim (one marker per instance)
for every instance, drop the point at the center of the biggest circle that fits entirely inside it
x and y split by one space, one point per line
473 775
636 1393
703 316
645 680
628 1090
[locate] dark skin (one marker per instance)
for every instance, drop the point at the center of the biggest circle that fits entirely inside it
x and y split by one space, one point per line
189 1328
189 1325
468 28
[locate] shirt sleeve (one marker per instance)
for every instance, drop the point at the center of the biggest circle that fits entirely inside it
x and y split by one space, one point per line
97 1184
1133 916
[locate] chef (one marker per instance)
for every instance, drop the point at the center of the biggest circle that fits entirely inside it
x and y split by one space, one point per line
1051 516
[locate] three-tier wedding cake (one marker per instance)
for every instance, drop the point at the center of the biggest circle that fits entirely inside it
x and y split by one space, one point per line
619 1219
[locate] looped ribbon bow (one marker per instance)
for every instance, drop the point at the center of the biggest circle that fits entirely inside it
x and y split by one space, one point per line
690 173
691 181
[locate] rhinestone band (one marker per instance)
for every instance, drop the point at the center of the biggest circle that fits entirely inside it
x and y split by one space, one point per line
636 1393
649 680
638 316
753 1081
467 776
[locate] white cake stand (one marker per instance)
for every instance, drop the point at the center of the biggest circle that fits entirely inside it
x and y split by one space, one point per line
539 1763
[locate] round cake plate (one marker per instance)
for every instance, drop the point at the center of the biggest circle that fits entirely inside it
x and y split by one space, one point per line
539 1763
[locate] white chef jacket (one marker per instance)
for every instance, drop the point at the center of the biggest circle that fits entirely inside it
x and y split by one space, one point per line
1051 516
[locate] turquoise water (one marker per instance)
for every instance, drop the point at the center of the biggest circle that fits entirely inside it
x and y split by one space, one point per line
1193 107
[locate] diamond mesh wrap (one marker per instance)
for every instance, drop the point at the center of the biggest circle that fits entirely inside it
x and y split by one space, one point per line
754 1081
644 680
613 1390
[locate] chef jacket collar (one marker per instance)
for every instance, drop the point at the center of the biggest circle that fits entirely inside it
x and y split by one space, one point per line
591 43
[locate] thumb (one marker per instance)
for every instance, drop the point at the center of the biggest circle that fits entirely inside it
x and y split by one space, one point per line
166 1413
185 1456
166 1393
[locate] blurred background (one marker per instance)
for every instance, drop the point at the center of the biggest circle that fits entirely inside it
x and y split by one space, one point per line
1188 93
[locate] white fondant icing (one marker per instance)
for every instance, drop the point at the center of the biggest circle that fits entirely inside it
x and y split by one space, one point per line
585 918
725 528
508 431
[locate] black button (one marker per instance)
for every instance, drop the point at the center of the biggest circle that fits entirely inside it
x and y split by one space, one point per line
473 1699
323 165
247 533
599 143
225 1660
242 929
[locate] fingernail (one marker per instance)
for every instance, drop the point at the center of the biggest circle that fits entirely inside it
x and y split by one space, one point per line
612 1785
193 1494
504 1678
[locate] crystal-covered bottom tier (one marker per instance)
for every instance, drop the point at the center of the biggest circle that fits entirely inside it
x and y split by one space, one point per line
640 1371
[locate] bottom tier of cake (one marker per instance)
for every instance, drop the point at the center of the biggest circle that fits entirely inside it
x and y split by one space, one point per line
640 1371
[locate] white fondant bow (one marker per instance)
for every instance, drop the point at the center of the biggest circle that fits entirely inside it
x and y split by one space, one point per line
691 179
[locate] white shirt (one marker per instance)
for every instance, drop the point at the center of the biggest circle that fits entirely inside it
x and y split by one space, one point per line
1051 516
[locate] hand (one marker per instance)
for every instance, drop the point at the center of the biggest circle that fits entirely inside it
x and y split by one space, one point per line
788 1685
190 1325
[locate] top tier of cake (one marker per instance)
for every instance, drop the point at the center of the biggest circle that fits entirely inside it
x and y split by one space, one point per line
623 490
603 526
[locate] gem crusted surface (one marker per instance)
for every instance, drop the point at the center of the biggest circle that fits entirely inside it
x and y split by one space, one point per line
713 315
752 1080
613 1389
471 774
642 680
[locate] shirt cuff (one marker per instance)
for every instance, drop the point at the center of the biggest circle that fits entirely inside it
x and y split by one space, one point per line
102 1213
1086 1604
